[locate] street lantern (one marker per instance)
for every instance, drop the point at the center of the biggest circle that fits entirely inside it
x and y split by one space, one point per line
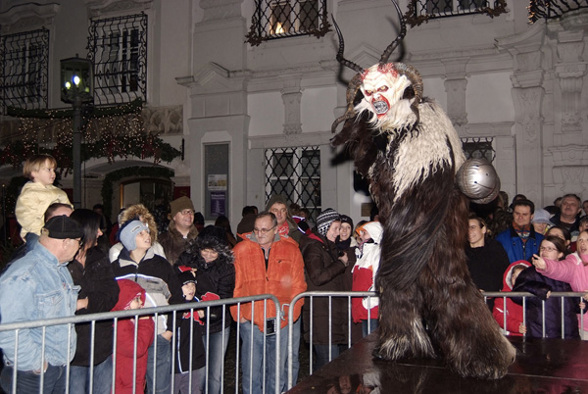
77 82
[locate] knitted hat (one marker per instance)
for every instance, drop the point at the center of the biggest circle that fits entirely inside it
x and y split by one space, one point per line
212 235
277 198
186 277
325 219
347 219
179 204
541 216
128 233
62 227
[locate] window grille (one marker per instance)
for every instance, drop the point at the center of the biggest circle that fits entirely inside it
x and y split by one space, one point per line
287 18
118 48
295 173
24 69
420 11
543 9
479 147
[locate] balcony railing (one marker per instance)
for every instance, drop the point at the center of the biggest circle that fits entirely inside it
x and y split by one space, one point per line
549 9
420 11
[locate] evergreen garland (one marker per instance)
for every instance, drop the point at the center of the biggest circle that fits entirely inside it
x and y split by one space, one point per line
107 132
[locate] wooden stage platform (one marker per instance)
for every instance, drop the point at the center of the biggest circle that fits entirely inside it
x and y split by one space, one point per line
542 366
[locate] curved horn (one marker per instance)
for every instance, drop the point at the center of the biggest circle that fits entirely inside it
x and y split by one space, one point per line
340 58
414 77
394 44
352 89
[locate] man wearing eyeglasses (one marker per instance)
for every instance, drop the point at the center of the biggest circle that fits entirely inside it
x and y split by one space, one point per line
266 263
39 286
181 232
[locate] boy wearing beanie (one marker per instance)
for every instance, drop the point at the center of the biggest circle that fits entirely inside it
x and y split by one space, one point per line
139 263
183 342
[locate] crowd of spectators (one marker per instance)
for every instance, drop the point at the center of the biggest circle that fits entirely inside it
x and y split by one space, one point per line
521 250
70 264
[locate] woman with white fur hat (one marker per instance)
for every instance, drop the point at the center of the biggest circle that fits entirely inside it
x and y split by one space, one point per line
365 310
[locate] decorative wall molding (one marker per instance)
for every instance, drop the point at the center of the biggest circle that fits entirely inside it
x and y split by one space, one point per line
218 10
292 140
28 16
569 155
163 120
570 70
528 117
98 8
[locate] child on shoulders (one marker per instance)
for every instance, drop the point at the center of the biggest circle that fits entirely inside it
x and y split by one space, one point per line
36 195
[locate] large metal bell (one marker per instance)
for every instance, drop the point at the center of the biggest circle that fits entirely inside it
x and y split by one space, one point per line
478 180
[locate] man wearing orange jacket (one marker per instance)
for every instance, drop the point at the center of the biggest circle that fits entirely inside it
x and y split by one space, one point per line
266 263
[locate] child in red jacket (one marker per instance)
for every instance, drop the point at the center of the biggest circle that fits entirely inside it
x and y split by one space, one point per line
514 312
131 296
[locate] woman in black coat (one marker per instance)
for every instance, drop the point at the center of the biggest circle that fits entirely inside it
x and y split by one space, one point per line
92 271
326 269
529 280
212 261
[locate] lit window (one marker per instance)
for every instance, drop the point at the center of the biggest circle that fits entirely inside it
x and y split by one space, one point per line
288 18
118 48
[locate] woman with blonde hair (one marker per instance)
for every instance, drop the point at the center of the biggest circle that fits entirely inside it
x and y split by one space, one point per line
138 211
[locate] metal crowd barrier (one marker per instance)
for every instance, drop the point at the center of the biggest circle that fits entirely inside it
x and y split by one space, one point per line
498 297
155 312
309 298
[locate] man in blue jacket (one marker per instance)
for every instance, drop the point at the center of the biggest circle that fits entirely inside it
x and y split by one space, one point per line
520 240
39 286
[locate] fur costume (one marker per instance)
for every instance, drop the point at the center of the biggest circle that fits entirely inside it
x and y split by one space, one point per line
408 149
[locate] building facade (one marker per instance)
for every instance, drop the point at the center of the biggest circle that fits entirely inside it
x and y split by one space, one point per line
247 90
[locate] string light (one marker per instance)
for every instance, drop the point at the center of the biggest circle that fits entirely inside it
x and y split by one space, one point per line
111 133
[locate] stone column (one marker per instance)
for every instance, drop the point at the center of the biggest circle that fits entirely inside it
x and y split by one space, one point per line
291 96
455 86
528 93
570 70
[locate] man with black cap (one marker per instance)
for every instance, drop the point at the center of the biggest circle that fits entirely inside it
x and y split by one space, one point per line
39 286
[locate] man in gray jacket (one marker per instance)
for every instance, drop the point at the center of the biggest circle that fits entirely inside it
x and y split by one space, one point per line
39 286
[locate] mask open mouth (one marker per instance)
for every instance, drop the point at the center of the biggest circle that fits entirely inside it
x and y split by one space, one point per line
380 107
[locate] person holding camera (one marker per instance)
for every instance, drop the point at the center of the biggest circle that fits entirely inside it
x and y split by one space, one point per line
326 270
266 263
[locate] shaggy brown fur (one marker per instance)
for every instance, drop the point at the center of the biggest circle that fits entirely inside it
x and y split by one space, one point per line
429 305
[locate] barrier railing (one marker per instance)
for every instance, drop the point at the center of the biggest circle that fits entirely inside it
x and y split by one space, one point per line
137 313
309 297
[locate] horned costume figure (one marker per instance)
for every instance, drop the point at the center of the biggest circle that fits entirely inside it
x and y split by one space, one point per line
408 149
